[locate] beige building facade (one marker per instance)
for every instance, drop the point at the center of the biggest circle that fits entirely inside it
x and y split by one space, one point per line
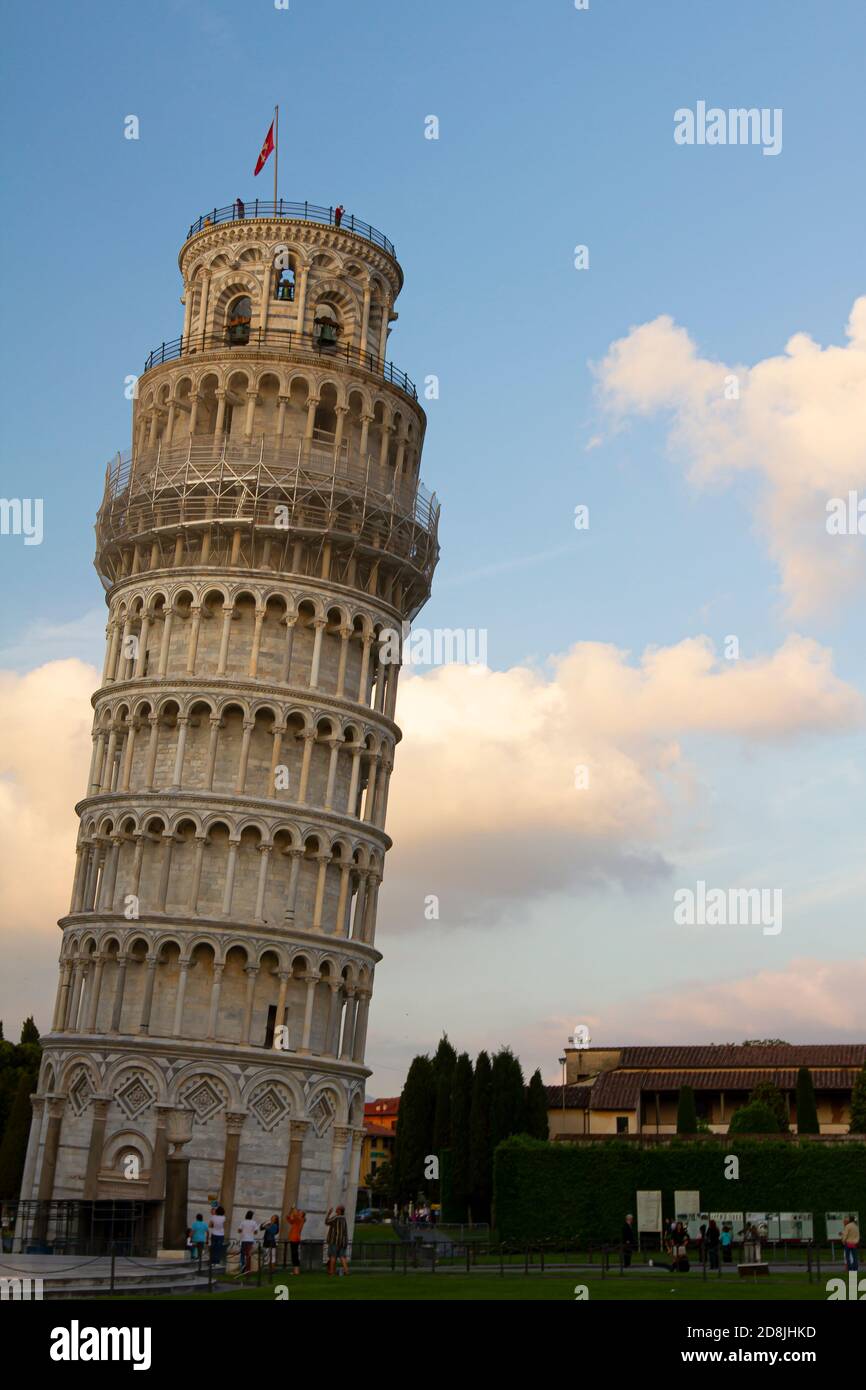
259 547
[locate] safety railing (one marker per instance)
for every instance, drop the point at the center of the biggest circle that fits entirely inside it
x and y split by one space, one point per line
280 340
285 211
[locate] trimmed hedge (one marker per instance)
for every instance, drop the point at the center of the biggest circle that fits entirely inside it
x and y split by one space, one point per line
566 1190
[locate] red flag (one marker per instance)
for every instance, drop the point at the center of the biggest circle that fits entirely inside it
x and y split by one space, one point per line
267 149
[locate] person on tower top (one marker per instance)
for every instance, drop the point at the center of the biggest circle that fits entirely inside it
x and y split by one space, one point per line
338 215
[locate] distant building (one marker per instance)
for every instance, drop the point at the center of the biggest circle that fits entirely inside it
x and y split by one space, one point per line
380 1132
635 1090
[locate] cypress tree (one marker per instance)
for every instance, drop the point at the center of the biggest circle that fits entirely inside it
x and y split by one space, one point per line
444 1063
507 1104
480 1153
535 1118
687 1115
414 1141
461 1123
13 1148
807 1111
858 1105
29 1031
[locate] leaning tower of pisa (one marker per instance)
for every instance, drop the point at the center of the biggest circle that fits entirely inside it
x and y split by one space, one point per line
260 545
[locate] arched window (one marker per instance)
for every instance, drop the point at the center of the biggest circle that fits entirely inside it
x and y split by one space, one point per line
238 321
285 286
326 327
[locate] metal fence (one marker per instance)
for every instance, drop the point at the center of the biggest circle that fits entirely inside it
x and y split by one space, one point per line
281 340
286 211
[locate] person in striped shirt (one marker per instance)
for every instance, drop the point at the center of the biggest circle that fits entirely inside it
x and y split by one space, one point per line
338 1239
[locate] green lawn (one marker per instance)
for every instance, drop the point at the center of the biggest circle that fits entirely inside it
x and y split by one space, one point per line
311 1288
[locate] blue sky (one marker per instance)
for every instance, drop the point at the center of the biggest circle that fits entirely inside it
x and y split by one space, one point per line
555 129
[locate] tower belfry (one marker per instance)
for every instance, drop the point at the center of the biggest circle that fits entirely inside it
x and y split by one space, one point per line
259 546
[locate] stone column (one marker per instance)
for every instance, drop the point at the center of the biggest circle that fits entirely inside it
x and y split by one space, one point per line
285 669
93 1001
251 972
283 976
360 904
195 884
37 1104
150 768
292 1184
311 982
165 644
265 852
319 625
228 1181
296 855
336 745
56 1107
332 1031
349 1025
147 1002
164 871
100 1105
324 860
183 976
249 725
309 737
253 668
119 984
336 1182
215 726
229 889
340 916
156 1186
345 636
126 773
365 667
216 989
177 775
62 996
360 1040
228 614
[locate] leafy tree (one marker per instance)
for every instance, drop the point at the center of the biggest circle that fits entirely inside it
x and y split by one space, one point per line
754 1118
381 1183
687 1115
807 1110
535 1117
507 1102
29 1031
461 1128
481 1154
858 1105
13 1148
768 1093
414 1139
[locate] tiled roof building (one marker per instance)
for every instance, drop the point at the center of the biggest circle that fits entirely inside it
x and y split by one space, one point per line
635 1090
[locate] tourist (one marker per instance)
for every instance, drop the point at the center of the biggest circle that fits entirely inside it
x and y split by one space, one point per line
217 1235
269 1241
726 1240
713 1239
627 1240
338 215
851 1242
248 1231
296 1221
199 1237
680 1249
239 208
338 1240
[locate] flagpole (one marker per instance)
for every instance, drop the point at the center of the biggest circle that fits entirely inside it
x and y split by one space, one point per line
276 152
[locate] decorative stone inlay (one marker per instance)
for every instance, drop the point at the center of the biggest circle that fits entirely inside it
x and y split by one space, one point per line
205 1097
270 1104
134 1095
80 1092
322 1115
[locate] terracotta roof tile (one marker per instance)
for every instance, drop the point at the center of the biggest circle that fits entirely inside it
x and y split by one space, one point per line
619 1090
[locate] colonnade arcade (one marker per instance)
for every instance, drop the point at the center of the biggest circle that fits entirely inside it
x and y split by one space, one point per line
216 989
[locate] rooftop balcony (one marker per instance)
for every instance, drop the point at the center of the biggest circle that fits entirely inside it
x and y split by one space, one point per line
277 342
285 211
320 492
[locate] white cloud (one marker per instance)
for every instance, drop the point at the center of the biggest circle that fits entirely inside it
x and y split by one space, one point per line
799 425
